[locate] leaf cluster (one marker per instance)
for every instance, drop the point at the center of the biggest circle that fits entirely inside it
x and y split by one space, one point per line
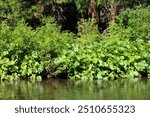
123 53
28 53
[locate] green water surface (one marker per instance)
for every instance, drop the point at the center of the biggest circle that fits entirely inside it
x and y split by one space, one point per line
55 89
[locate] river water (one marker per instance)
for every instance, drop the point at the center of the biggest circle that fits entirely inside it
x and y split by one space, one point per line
55 89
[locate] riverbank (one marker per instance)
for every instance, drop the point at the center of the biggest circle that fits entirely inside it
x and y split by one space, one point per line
35 54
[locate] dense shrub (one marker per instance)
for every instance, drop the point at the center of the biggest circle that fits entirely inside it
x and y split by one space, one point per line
122 53
113 59
136 22
13 11
26 52
88 32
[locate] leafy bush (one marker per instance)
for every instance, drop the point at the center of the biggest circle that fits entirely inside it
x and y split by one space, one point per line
28 53
15 11
88 32
10 11
105 60
136 22
122 53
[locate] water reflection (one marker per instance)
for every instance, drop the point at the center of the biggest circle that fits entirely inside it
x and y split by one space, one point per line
55 89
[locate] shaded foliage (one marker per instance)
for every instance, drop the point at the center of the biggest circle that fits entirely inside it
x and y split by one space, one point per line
34 41
66 12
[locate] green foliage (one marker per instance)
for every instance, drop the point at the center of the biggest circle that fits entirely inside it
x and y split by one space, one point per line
27 53
81 4
61 1
88 31
108 59
84 4
135 22
14 11
9 10
120 54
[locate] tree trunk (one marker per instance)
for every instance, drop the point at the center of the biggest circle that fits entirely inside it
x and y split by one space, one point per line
92 10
